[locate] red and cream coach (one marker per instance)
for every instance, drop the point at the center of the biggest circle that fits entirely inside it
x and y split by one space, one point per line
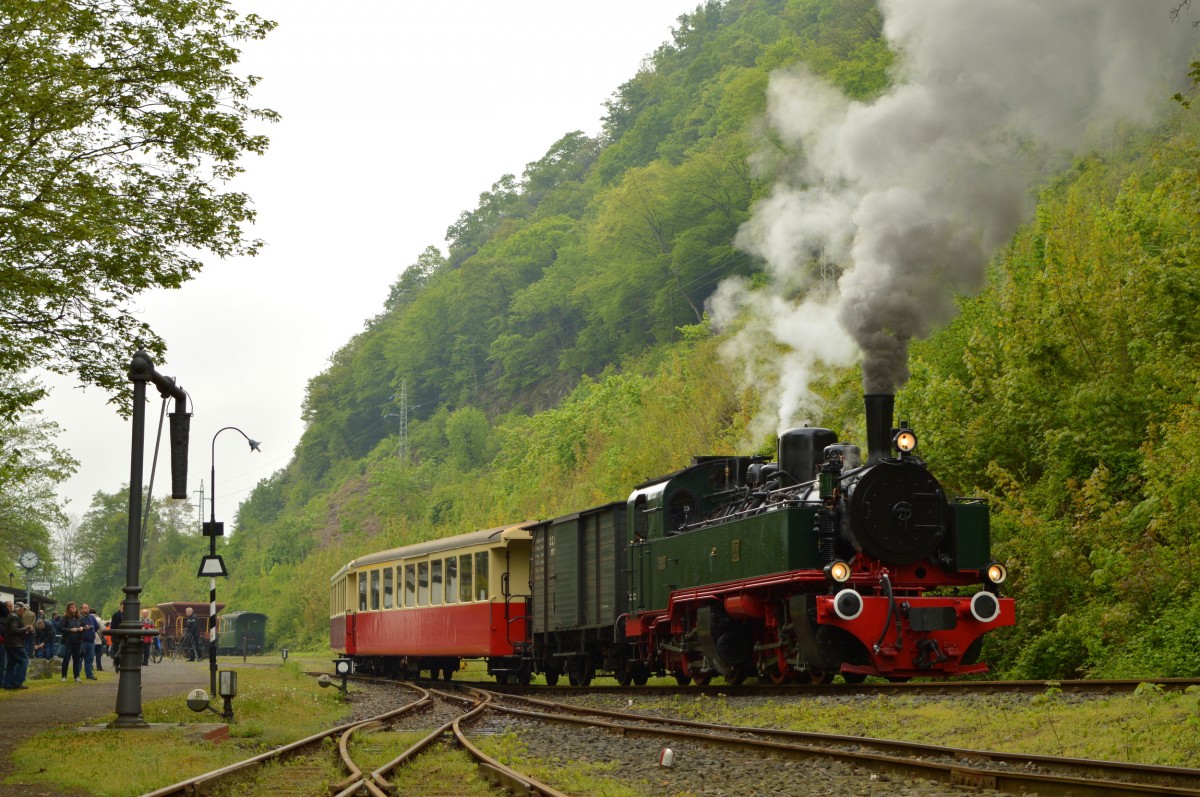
427 606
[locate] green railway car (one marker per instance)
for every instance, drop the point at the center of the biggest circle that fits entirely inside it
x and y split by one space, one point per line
580 593
240 632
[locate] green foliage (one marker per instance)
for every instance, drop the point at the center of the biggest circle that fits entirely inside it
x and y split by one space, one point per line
601 248
119 123
558 354
31 467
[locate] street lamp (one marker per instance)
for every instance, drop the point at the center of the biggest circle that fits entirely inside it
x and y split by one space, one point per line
213 565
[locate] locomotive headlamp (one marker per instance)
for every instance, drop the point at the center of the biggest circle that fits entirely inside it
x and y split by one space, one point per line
905 441
837 571
996 573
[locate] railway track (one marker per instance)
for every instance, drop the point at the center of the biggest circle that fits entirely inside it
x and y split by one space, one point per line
1003 772
296 768
465 712
1080 687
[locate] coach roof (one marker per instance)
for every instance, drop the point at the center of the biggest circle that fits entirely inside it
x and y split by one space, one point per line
519 531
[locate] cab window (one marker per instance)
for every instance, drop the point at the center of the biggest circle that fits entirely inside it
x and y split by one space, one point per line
362 592
374 590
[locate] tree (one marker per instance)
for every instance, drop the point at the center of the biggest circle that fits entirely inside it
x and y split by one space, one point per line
31 466
68 556
120 121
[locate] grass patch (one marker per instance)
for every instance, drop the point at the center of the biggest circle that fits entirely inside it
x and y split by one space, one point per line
599 778
274 706
1150 726
440 769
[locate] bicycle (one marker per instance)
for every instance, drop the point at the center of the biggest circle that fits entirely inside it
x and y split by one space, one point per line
156 652
186 647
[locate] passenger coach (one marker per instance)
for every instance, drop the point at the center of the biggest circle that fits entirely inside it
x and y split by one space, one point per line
430 605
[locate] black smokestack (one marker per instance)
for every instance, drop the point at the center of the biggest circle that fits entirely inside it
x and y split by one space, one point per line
880 411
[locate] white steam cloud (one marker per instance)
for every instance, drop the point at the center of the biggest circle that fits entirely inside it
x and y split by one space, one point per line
906 198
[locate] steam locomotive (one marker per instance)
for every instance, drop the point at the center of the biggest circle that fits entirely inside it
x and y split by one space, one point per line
797 569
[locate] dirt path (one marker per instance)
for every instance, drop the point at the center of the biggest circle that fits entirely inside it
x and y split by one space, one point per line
26 713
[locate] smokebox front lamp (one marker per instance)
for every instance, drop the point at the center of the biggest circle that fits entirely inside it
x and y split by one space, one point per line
837 572
905 441
996 573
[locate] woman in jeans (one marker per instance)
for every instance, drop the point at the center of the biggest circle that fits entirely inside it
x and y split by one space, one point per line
72 628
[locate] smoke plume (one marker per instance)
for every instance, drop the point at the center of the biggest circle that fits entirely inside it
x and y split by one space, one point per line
889 209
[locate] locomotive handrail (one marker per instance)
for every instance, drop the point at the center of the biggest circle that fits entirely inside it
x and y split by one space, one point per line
761 509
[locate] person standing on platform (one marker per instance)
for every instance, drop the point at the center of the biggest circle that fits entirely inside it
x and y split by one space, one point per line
72 628
98 650
118 617
146 623
4 612
191 634
15 632
88 647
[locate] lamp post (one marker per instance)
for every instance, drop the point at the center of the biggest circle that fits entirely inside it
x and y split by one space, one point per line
213 565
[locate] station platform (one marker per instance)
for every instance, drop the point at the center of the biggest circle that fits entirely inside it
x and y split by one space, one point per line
52 703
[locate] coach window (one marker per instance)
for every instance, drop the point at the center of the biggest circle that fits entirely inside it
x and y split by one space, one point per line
387 588
435 582
362 592
481 575
451 579
410 586
374 590
464 574
422 583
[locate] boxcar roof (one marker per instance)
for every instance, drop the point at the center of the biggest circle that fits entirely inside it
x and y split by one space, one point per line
468 540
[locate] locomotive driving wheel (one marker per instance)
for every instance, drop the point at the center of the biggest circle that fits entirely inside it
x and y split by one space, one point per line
814 677
779 675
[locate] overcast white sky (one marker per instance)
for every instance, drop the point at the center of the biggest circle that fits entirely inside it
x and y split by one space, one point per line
396 115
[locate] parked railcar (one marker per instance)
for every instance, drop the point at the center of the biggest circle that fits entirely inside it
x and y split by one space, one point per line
242 632
427 606
171 619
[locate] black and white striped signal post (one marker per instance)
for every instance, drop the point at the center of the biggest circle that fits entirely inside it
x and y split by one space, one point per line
213 565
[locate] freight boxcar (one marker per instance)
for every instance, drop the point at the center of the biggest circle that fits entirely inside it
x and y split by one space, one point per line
579 591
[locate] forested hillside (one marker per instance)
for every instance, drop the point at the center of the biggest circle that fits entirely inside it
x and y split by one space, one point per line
559 353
